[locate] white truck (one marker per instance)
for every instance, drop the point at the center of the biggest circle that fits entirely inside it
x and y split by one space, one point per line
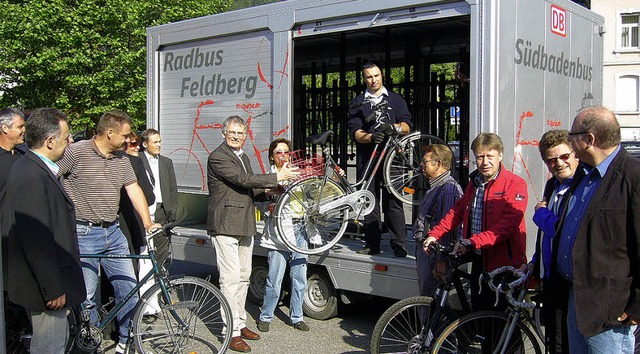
524 67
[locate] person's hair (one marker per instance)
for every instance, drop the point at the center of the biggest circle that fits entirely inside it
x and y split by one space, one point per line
8 114
146 135
602 123
233 120
43 123
113 120
440 153
133 136
370 64
551 139
487 140
273 146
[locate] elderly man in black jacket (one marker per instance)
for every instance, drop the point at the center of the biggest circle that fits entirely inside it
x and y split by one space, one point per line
597 249
45 275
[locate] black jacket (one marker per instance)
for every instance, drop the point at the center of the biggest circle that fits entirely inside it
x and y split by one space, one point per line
44 260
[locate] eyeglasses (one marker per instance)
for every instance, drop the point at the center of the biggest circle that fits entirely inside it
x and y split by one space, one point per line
577 133
133 143
280 152
425 162
553 160
235 134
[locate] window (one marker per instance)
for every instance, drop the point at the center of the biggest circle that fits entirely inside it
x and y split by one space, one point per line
627 93
629 30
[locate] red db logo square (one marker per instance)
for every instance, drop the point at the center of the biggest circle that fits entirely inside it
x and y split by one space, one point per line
558 20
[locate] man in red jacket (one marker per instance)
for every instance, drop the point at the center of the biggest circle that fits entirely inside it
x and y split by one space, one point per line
491 211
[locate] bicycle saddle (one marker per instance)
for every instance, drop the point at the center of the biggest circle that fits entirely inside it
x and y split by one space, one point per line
320 138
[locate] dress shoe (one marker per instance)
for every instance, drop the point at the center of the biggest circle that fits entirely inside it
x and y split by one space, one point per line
398 249
263 326
238 345
369 250
246 333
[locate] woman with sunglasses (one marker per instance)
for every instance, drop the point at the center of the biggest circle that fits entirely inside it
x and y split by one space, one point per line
558 155
133 145
279 255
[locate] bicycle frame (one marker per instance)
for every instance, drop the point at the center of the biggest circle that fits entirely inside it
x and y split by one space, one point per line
154 271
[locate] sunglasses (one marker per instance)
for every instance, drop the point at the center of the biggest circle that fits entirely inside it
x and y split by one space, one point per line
554 160
280 152
133 143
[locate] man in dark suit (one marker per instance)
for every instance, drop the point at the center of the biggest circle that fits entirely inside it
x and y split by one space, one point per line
45 275
162 176
597 250
231 220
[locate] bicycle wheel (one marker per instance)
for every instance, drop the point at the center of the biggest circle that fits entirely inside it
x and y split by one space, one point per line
198 304
637 334
400 328
480 332
300 223
402 171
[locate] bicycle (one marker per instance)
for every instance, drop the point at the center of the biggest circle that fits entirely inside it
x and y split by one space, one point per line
495 332
411 324
178 314
323 201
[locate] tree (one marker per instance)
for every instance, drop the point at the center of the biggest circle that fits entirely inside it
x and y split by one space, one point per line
84 56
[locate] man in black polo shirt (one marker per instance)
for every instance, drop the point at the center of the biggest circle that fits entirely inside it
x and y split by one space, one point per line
366 137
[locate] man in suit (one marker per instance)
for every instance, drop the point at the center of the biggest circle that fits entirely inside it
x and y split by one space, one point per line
597 251
162 176
45 275
231 220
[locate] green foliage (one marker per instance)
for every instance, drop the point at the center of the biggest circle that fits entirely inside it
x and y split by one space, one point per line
84 57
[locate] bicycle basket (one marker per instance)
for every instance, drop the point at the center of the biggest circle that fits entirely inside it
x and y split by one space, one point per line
308 164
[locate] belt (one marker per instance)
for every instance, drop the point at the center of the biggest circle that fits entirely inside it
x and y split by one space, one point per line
103 224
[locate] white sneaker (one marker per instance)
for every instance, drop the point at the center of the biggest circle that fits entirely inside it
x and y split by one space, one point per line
121 348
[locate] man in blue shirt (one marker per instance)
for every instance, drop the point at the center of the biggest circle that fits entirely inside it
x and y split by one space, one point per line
596 251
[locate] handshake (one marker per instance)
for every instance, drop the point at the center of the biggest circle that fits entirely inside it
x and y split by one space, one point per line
385 129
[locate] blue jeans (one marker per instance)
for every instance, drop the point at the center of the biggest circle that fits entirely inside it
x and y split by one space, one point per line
99 240
614 340
298 273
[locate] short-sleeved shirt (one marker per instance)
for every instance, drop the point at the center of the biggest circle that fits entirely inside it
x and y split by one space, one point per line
93 180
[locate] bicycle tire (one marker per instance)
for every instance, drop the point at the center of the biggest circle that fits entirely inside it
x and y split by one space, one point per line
479 332
637 334
199 304
399 329
402 167
297 209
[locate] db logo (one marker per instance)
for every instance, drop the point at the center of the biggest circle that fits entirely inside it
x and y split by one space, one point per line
558 20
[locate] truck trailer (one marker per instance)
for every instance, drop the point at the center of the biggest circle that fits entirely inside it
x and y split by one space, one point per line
290 69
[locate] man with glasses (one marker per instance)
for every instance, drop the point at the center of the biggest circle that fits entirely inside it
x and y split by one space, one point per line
556 152
597 251
231 219
442 194
491 212
366 138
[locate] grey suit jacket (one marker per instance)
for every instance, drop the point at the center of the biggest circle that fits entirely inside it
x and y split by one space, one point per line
168 184
231 208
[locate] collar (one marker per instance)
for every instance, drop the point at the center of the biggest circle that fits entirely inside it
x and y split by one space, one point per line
479 178
369 95
604 165
238 153
94 147
150 157
562 185
52 165
436 182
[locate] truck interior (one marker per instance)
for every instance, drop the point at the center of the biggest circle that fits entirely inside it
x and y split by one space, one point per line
414 58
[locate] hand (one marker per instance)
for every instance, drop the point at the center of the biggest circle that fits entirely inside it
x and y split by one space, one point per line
628 320
57 303
462 247
288 172
377 137
425 245
153 227
541 204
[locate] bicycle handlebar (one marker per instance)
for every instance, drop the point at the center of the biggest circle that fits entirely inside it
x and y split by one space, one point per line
168 226
508 288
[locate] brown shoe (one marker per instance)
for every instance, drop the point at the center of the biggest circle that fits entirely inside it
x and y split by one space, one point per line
246 333
238 345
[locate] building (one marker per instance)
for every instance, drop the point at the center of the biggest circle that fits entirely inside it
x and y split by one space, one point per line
621 60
